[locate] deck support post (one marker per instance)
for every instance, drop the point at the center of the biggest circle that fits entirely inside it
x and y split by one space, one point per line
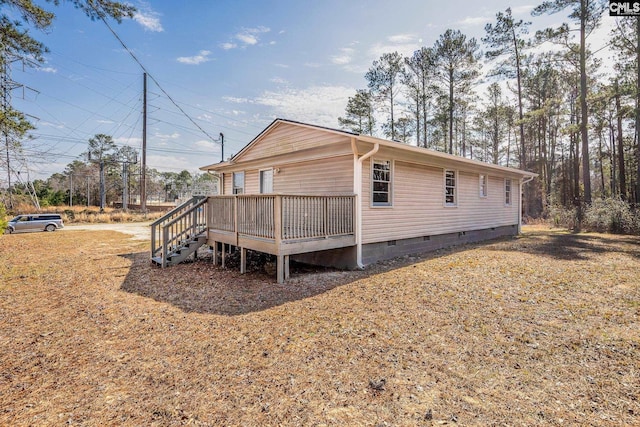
243 260
215 252
282 268
223 254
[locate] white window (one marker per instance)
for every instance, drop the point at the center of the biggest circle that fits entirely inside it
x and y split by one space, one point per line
450 186
381 183
238 183
507 192
266 181
483 185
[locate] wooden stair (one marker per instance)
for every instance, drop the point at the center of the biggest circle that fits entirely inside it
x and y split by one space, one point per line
180 233
182 252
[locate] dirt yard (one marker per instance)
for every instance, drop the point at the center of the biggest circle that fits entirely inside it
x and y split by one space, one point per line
539 330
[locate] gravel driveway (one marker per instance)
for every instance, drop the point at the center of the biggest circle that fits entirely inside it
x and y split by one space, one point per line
139 230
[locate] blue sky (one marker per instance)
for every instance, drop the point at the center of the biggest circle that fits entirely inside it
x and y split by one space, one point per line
233 66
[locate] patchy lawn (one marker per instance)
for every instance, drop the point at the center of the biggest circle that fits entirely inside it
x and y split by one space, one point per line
539 330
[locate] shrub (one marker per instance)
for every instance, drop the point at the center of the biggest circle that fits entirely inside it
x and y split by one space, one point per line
611 215
563 217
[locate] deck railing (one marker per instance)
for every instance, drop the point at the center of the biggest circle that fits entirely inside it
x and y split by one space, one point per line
283 217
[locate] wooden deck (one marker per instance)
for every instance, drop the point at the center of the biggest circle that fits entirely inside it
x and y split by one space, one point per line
281 225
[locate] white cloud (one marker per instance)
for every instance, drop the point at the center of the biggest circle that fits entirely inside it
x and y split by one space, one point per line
202 56
236 100
149 19
405 44
401 38
470 21
246 37
207 145
165 136
205 117
48 70
227 46
281 65
522 10
344 57
278 80
320 105
52 125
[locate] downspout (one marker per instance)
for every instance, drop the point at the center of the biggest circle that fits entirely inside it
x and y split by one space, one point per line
219 176
357 189
522 182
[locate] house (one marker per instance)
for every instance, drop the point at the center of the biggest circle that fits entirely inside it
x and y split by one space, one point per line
337 198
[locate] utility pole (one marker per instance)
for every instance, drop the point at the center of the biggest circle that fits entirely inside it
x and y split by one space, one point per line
125 181
143 166
222 145
71 190
6 85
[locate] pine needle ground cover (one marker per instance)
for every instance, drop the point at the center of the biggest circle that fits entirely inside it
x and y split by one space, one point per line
538 330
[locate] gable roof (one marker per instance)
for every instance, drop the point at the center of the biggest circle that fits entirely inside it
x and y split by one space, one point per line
414 150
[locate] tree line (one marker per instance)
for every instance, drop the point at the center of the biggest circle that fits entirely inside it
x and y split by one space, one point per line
554 112
108 174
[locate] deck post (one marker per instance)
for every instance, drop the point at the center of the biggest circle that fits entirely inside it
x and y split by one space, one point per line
223 254
243 260
215 252
280 268
277 230
165 242
286 267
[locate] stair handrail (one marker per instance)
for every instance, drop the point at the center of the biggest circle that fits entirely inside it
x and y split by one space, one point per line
193 223
168 217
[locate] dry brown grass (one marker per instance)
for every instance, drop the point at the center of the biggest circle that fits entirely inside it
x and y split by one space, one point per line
538 330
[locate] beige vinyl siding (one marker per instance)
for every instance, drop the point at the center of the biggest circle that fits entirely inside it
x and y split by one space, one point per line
322 176
251 181
418 204
330 175
228 183
287 139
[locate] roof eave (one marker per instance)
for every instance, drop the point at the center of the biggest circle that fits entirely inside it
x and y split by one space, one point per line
444 156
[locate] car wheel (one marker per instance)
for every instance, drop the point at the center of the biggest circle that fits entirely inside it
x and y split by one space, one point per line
50 227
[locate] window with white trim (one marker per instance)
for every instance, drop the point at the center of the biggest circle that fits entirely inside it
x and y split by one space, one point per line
507 192
381 183
266 181
483 185
238 183
450 188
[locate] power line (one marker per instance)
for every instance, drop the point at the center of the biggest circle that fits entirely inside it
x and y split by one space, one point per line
153 78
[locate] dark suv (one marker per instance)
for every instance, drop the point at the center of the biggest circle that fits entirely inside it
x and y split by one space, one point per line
35 222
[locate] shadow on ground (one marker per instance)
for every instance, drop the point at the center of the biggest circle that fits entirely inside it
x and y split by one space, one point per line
202 287
567 246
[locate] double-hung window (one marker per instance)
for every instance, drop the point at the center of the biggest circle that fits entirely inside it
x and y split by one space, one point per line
238 183
483 185
450 188
381 182
507 192
266 181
